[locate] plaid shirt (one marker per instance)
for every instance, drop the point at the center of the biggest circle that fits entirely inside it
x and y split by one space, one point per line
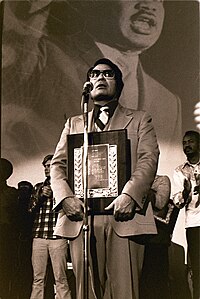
44 217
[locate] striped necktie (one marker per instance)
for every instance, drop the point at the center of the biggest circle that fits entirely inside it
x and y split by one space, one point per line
103 118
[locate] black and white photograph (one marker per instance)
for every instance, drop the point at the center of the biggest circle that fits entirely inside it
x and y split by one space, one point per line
95 68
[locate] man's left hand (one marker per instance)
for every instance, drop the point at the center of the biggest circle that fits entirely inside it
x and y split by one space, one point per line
124 207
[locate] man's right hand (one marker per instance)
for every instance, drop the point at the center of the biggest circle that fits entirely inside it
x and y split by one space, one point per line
73 208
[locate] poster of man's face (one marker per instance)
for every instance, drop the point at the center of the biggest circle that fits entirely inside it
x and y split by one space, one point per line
48 47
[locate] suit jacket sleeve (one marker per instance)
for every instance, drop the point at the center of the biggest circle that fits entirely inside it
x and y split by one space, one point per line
144 146
59 164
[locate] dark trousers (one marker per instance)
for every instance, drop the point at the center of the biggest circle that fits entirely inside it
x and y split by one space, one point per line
193 240
155 280
8 261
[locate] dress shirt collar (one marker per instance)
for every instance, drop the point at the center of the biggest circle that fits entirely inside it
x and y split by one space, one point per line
191 165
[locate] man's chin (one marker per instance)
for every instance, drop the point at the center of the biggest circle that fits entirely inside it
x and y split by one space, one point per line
189 155
140 42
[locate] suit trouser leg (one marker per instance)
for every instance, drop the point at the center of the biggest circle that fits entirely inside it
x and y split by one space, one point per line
58 254
39 261
115 263
96 255
124 265
76 252
155 276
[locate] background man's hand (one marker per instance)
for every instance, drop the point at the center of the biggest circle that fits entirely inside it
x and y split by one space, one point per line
124 207
73 208
47 191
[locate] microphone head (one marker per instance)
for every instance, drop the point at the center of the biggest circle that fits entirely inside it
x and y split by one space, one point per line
87 87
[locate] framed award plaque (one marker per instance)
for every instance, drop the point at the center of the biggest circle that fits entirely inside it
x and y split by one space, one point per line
108 163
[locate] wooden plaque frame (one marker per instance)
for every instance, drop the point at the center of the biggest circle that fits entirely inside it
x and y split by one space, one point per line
110 167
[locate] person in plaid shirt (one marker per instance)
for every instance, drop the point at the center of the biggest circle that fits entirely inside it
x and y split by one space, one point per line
45 244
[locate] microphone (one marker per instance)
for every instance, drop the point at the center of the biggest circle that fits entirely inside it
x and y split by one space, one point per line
87 87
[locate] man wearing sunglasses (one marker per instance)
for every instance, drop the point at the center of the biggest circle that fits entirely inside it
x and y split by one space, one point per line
115 253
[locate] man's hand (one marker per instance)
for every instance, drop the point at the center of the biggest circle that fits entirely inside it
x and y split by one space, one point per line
47 191
186 193
124 207
73 208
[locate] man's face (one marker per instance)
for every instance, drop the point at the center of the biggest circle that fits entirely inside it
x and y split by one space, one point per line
190 146
47 168
127 25
141 22
104 86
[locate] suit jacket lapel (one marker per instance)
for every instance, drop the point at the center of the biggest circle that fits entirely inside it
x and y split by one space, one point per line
121 118
79 126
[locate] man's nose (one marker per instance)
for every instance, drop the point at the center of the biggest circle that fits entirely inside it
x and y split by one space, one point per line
147 5
186 144
101 76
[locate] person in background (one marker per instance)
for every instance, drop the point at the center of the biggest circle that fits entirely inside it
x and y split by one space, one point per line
45 244
115 254
25 189
9 232
187 194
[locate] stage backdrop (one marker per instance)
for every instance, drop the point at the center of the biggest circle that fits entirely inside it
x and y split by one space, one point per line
48 47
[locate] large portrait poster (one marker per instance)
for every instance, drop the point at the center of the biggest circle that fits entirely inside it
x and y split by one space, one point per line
47 48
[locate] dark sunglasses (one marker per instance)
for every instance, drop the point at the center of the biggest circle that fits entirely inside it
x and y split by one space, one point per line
109 74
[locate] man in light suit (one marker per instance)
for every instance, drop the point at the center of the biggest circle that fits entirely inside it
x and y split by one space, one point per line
116 255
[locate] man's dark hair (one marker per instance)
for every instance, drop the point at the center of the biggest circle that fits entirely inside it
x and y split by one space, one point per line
195 134
25 184
47 158
114 67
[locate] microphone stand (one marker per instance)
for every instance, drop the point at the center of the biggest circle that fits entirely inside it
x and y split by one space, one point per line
85 99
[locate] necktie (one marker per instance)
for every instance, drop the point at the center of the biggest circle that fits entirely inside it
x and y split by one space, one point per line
103 118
